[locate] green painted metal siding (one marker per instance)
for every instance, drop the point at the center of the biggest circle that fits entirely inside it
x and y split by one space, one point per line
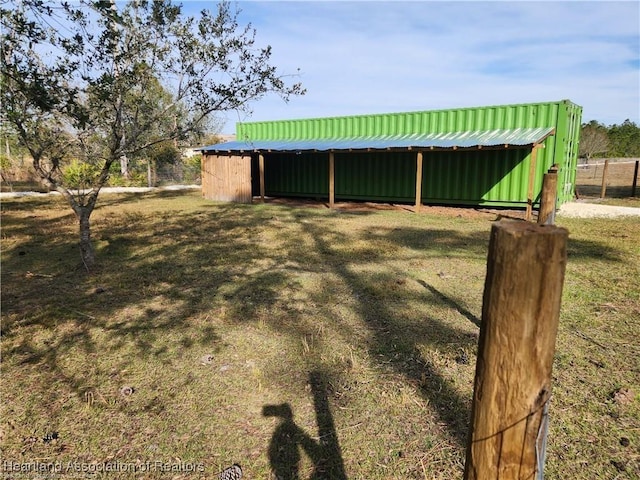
288 174
475 177
376 176
568 139
437 121
498 177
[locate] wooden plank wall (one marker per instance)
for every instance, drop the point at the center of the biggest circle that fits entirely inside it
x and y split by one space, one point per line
227 178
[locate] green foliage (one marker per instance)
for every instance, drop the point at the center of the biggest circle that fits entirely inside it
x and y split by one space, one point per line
613 141
136 179
165 153
625 139
593 140
195 161
192 168
5 162
80 175
99 86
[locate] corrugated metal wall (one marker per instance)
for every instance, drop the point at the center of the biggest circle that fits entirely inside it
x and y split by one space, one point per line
376 176
437 121
296 175
449 177
475 177
498 177
569 123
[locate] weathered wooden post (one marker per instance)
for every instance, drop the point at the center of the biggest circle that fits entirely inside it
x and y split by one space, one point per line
603 190
635 179
547 212
520 311
418 181
532 181
332 180
261 169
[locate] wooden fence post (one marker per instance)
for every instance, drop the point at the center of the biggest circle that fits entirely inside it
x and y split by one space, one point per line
547 212
635 179
603 190
520 311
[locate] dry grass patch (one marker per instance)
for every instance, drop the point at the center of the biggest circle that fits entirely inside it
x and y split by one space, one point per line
333 344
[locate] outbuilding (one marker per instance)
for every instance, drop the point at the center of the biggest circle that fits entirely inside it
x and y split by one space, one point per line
484 156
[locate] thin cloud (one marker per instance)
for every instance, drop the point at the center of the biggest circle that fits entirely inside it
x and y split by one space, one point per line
373 57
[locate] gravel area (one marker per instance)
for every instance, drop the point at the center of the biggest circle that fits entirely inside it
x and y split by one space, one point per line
105 190
593 210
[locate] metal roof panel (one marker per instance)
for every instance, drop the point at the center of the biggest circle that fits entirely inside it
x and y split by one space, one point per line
465 139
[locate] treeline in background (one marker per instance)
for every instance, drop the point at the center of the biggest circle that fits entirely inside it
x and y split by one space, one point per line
614 141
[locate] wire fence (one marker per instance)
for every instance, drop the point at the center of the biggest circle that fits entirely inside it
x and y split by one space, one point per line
608 178
178 174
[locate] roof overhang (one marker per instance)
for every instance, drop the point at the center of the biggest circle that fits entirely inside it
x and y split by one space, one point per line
470 140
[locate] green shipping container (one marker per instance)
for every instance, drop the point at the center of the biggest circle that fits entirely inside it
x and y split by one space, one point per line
456 174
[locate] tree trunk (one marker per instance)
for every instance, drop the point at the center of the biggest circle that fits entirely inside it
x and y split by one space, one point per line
86 248
124 167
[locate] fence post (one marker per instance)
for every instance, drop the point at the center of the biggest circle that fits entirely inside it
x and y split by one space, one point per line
635 179
603 190
520 311
547 212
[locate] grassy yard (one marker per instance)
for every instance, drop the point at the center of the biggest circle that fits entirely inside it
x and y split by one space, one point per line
329 344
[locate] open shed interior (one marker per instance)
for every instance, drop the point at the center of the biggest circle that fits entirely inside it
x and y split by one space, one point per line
419 157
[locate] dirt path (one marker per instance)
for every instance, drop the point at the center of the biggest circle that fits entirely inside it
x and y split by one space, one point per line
573 209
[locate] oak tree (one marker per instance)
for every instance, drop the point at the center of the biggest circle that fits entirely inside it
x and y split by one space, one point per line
593 140
80 80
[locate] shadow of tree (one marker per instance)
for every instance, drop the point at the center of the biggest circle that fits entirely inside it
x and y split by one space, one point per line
613 191
586 249
159 285
452 303
396 344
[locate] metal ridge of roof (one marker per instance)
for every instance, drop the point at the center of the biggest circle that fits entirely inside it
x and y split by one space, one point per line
409 112
449 140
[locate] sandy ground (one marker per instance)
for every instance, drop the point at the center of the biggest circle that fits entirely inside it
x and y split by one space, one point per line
105 190
591 210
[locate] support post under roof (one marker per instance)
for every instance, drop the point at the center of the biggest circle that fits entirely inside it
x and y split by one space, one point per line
261 168
532 179
418 181
332 184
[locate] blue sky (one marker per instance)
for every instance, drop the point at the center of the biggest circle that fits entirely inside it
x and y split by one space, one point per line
364 57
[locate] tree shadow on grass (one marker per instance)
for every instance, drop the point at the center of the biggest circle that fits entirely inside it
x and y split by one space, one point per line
192 264
590 250
611 192
140 301
398 345
452 303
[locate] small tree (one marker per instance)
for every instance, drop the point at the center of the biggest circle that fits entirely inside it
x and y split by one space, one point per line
81 80
593 140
